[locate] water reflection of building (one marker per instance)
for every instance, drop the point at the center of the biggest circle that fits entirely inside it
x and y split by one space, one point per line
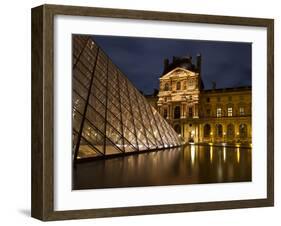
199 115
192 164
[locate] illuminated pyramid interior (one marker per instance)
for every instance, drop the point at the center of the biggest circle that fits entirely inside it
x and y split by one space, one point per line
110 116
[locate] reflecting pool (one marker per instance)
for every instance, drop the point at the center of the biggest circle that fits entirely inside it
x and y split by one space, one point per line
192 164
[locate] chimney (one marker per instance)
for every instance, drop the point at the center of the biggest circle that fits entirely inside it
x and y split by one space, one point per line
166 64
198 62
214 85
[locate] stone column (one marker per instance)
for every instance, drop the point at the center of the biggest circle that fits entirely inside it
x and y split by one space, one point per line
195 111
224 131
200 133
183 110
168 111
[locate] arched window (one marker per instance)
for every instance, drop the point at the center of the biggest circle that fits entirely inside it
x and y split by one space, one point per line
207 130
219 130
178 85
177 128
166 87
177 112
243 130
230 131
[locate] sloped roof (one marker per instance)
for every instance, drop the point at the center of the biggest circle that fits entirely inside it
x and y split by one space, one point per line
182 62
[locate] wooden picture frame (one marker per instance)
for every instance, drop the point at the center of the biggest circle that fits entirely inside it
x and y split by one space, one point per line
42 203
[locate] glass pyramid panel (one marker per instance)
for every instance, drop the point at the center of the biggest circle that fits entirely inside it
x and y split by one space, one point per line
86 150
128 147
97 120
93 136
110 116
112 148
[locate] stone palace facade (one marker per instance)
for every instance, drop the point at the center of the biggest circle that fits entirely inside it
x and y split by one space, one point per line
198 115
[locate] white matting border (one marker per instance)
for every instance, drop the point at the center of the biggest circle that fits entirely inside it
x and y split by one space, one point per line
66 199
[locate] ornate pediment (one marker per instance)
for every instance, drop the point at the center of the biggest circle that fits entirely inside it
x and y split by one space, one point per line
178 73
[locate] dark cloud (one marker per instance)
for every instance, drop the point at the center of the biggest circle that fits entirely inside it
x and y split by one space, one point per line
141 59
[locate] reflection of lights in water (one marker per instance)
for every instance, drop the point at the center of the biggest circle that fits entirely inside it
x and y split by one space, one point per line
211 153
223 144
238 154
192 153
220 172
224 154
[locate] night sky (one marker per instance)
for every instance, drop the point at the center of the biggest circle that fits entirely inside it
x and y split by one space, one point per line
141 59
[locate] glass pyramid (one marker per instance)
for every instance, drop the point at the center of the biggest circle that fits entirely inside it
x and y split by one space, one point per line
110 116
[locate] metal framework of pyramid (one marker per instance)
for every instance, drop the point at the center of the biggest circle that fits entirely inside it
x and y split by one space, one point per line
110 116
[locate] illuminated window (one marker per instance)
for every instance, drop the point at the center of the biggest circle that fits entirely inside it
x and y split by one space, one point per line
218 112
178 85
241 111
229 112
